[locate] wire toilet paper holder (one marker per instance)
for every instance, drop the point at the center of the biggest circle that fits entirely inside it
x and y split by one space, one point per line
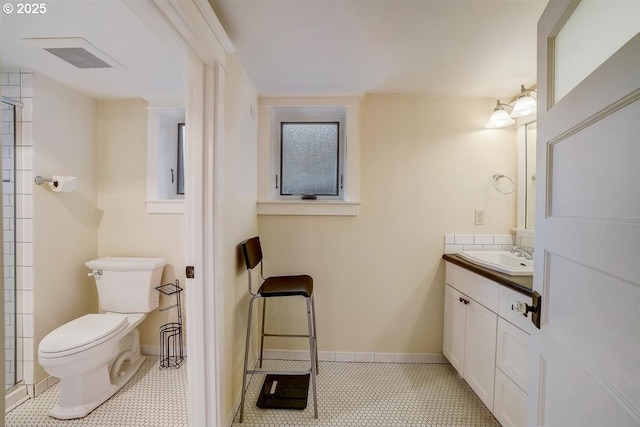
171 341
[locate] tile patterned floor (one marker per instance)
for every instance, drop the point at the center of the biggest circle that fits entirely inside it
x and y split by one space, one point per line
376 395
349 395
153 398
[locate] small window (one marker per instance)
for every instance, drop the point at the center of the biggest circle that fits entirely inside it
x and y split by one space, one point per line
309 152
179 181
309 158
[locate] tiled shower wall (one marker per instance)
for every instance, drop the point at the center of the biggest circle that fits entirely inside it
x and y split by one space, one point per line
18 85
8 221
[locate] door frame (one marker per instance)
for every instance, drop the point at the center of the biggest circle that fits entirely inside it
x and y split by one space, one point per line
195 25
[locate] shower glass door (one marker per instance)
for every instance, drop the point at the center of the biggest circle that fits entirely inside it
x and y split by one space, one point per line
10 114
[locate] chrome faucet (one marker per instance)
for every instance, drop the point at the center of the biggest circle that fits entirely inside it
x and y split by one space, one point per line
522 252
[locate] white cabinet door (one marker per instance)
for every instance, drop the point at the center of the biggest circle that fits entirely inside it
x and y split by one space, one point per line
510 404
480 351
512 353
454 328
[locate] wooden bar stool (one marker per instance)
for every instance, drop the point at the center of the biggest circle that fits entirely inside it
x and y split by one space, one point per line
274 287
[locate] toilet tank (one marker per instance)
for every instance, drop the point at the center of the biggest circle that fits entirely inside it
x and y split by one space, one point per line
127 284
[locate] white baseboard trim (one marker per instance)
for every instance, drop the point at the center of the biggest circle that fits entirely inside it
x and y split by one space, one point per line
236 408
351 356
16 398
155 350
28 391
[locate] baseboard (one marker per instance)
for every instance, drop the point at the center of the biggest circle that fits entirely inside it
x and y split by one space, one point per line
15 398
236 408
155 350
355 356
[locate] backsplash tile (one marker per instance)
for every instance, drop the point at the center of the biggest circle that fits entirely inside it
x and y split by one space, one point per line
527 242
464 239
483 239
478 242
452 249
503 239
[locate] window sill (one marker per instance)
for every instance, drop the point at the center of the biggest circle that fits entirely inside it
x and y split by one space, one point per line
309 207
168 206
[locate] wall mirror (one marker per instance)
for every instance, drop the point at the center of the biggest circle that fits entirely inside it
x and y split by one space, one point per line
527 175
530 175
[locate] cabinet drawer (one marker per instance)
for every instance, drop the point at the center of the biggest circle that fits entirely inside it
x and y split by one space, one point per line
512 352
508 297
510 403
473 285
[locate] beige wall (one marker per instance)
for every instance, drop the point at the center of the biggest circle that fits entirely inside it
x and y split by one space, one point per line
125 228
64 224
425 165
239 219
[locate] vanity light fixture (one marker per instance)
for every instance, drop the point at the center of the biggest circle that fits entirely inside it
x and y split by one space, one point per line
525 103
500 116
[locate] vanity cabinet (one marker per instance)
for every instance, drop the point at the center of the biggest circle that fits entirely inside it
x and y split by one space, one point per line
467 325
487 342
469 339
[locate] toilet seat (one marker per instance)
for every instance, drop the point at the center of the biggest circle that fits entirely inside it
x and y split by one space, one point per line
81 334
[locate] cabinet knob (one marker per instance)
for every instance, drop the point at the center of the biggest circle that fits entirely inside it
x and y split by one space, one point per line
523 308
464 301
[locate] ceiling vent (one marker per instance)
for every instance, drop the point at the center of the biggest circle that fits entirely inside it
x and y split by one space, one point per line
76 51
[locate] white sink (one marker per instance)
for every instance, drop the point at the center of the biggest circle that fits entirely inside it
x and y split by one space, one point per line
502 261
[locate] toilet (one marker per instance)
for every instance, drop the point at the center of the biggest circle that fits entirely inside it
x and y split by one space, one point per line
96 354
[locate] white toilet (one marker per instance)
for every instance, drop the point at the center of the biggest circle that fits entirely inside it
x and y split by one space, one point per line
96 354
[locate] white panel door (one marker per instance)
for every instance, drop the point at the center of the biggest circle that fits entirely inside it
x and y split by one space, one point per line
585 364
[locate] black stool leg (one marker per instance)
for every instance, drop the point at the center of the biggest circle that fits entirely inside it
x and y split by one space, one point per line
246 358
312 353
264 311
315 332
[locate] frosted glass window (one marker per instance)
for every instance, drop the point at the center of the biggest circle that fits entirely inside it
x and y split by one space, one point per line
309 158
180 158
583 44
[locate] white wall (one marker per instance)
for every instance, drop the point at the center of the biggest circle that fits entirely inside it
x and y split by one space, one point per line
125 228
425 165
239 180
64 224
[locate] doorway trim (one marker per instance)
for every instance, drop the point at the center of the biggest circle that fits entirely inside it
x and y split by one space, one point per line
207 45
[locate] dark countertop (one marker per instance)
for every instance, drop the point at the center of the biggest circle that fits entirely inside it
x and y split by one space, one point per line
522 284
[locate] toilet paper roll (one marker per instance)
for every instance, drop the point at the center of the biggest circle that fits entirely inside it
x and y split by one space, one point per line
63 184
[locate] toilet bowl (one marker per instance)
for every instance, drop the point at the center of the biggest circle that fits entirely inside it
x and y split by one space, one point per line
96 354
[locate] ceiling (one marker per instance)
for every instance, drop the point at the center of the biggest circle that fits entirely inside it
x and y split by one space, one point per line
154 64
478 48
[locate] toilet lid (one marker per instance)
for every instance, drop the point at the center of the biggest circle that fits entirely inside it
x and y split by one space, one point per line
84 332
